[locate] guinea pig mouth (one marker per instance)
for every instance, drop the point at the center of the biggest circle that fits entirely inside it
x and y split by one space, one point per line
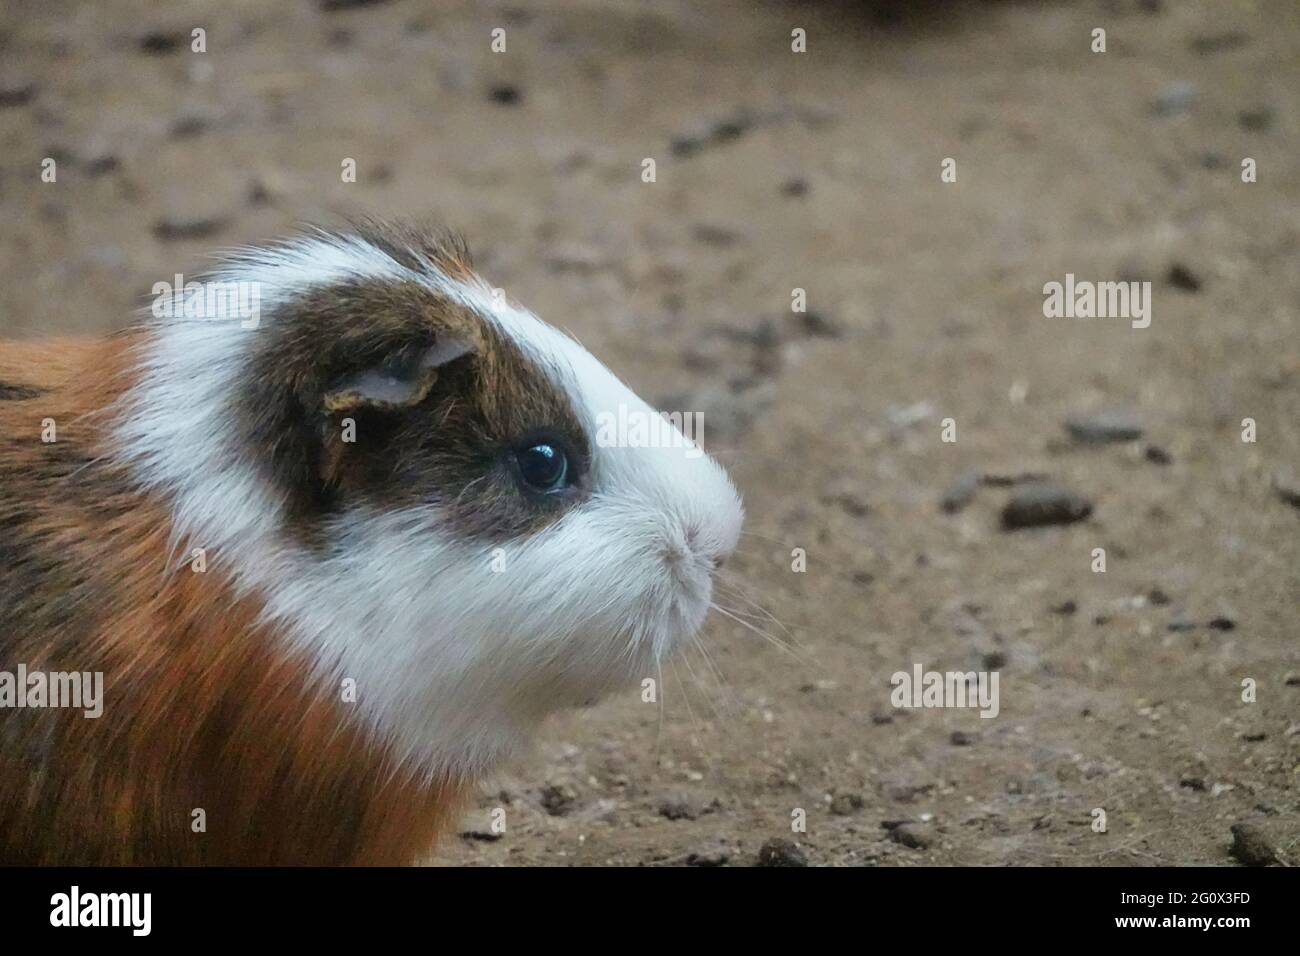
691 602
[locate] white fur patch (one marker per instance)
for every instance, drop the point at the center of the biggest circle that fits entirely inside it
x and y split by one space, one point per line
458 649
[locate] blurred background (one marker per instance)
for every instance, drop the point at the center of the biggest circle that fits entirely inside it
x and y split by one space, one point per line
819 171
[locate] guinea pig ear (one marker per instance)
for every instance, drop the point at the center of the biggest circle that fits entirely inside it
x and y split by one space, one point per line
402 380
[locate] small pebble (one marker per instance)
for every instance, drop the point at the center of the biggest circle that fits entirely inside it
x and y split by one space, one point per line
713 856
1006 480
714 235
558 800
16 94
1250 846
1287 486
101 165
1174 99
780 852
504 94
686 145
1044 504
1257 120
994 660
174 229
259 194
188 126
720 131
331 6
732 128
961 492
481 836
1208 43
1181 277
818 325
158 43
846 804
677 808
844 493
1104 427
911 835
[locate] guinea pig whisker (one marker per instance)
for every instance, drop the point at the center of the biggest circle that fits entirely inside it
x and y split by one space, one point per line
759 614
743 613
690 711
771 639
708 660
732 589
756 625
730 703
766 537
699 685
659 698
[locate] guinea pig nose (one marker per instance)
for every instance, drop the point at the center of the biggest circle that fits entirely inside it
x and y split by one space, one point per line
717 556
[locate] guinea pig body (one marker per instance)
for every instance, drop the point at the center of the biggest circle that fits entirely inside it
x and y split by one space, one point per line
333 564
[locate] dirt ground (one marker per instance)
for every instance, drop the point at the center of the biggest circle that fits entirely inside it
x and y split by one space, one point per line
1120 691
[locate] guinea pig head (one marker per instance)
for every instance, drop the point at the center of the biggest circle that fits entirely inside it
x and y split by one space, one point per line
417 480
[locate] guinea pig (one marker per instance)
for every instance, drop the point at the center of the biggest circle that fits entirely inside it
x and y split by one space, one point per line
333 562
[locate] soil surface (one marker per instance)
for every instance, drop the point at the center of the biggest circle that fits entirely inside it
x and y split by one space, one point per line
1119 691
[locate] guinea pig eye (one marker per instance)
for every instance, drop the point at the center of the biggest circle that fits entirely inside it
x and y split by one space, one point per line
544 466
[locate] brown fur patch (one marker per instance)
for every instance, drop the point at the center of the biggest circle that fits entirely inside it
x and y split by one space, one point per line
452 447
